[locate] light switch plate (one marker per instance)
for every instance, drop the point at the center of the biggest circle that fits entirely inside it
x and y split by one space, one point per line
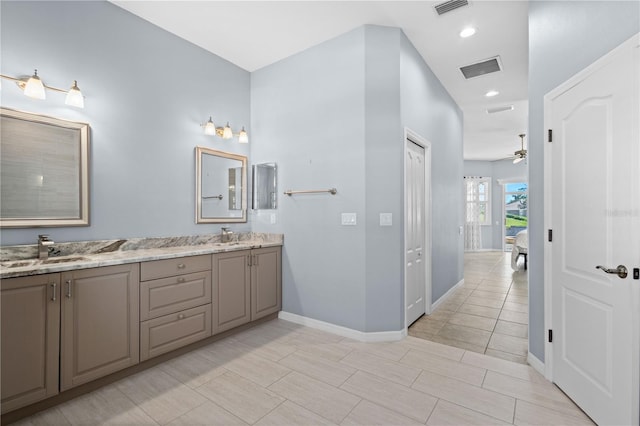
273 218
349 219
386 219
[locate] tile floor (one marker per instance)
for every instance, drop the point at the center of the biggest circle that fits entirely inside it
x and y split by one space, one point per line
280 373
488 314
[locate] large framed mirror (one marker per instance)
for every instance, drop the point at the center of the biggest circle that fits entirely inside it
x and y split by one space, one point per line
44 171
221 186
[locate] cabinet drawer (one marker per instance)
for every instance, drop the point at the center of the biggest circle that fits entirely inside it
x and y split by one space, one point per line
171 267
168 295
164 334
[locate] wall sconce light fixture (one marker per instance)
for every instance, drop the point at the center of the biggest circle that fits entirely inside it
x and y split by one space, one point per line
224 132
34 88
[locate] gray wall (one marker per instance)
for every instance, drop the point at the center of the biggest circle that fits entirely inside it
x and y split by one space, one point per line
564 38
146 93
334 115
496 170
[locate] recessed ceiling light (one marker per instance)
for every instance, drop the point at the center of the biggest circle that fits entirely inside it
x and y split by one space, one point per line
492 93
467 32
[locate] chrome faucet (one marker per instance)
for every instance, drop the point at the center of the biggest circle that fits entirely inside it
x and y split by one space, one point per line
226 235
43 246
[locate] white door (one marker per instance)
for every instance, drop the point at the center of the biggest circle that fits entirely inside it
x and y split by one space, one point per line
595 219
415 232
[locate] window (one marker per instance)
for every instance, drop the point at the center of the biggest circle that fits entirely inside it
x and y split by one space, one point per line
478 200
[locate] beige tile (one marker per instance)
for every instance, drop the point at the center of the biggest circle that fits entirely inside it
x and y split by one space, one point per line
520 359
329 351
517 299
381 367
521 291
223 352
450 414
240 396
261 346
438 314
52 416
192 369
512 329
160 396
482 311
289 413
326 370
488 295
543 394
510 344
383 350
458 344
208 414
493 289
420 334
493 304
427 327
523 372
465 334
325 400
446 367
478 399
434 348
369 414
511 316
107 406
450 305
257 369
498 281
401 399
529 414
473 321
311 336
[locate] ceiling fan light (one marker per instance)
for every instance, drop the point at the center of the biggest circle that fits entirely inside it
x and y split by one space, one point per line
517 160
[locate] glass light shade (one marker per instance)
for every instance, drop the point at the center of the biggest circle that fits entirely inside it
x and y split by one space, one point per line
517 160
74 96
209 128
34 87
227 133
243 137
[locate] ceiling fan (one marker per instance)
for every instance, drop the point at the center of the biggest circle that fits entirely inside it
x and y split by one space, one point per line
521 154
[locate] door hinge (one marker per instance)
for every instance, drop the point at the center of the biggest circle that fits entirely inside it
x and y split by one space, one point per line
550 135
550 337
550 235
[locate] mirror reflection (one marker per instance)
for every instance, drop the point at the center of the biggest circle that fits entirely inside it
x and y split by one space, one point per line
221 193
265 186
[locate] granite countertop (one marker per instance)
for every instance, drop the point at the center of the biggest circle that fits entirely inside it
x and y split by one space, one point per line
20 261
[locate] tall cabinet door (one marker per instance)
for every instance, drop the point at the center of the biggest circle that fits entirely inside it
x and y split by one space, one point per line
100 318
231 289
30 339
266 282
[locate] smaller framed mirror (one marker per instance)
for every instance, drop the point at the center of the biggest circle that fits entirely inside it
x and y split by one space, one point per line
221 186
265 186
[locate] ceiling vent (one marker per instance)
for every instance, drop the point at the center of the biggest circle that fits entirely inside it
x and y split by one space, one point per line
499 109
450 5
481 68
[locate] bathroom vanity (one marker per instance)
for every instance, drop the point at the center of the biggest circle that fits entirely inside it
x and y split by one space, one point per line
68 323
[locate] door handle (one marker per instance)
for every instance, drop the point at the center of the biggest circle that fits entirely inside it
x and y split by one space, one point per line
620 271
68 289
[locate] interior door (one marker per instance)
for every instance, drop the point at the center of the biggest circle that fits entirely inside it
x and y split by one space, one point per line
595 215
415 232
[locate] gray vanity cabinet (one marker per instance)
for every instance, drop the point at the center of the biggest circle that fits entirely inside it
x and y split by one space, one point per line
30 339
247 285
100 322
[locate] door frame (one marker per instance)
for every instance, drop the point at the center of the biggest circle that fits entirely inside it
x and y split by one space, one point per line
413 137
548 187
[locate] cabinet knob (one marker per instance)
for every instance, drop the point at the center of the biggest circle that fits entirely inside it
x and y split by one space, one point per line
181 266
181 280
181 316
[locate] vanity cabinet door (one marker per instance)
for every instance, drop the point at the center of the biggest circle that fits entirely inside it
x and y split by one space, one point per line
231 290
266 282
30 339
100 323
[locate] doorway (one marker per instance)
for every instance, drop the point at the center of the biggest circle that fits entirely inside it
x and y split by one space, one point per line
515 208
417 227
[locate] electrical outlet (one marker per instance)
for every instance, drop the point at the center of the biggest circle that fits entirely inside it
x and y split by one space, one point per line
349 219
386 219
272 218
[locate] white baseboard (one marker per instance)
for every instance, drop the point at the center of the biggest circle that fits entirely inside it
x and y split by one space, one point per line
535 363
442 298
361 336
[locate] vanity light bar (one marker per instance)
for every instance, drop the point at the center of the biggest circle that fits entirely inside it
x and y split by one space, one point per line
224 132
34 88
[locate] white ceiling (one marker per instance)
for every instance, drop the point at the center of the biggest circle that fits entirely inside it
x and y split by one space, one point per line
254 34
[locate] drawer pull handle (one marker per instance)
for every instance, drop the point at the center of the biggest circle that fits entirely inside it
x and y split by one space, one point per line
53 293
181 266
68 289
181 280
181 316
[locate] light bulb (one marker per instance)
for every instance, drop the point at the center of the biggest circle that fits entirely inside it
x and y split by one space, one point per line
209 128
243 137
467 32
227 133
74 96
34 87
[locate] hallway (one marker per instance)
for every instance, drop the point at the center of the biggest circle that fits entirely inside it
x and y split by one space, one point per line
488 314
